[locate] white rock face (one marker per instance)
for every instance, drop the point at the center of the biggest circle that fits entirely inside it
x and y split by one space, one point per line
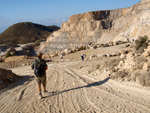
145 1
101 27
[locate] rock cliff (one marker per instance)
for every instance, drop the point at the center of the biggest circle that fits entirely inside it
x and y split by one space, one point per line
101 27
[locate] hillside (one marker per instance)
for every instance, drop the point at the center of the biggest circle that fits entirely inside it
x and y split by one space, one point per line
26 32
101 27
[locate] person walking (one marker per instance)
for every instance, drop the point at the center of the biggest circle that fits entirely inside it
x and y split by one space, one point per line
61 56
82 57
39 65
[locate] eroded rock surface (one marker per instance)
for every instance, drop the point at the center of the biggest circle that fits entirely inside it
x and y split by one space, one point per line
101 27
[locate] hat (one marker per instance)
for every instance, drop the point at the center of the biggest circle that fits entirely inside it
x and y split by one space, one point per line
39 54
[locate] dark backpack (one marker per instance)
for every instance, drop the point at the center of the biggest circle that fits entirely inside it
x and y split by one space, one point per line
39 69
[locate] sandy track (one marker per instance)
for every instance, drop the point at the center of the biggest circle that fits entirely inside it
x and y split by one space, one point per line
71 91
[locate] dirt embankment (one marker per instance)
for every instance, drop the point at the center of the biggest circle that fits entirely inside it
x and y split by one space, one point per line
16 61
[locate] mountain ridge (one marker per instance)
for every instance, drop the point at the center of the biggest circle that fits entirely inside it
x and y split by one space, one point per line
26 32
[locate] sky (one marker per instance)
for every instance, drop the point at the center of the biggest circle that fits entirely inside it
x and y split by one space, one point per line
52 12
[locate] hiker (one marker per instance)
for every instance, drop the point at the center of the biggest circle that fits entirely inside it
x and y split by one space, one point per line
61 56
39 65
82 57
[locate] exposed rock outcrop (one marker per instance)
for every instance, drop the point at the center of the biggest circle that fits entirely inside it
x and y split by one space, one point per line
101 27
7 77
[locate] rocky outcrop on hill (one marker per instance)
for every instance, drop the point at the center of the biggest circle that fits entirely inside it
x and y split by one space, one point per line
7 77
101 27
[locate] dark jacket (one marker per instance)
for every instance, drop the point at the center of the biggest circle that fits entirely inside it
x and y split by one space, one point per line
38 60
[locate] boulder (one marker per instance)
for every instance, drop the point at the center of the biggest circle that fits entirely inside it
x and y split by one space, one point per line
145 66
122 56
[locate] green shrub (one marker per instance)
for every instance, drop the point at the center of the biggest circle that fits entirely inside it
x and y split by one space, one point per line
141 42
8 54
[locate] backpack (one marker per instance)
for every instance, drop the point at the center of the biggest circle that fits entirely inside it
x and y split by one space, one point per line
39 69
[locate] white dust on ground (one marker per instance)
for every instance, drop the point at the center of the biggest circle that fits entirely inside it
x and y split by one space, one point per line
71 90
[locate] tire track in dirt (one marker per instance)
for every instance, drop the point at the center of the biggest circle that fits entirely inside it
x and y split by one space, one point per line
65 98
60 99
13 101
11 95
71 91
76 92
126 101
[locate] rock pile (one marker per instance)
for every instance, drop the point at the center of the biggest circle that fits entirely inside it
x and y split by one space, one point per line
7 77
89 46
133 67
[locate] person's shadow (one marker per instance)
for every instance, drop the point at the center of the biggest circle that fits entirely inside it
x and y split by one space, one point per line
89 85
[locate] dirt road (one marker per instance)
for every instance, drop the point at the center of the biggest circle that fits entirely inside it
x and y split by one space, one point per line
72 91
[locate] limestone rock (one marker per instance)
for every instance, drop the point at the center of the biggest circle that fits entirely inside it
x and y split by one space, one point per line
122 56
101 27
145 66
146 52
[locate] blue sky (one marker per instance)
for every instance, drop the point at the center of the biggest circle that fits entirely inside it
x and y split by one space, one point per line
52 12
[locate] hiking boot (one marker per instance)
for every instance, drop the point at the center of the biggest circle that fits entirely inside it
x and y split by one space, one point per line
40 96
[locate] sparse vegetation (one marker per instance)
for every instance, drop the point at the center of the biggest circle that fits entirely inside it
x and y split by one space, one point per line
121 74
141 42
8 54
112 63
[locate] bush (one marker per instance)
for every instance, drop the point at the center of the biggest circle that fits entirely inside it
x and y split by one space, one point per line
8 54
141 42
112 63
121 74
